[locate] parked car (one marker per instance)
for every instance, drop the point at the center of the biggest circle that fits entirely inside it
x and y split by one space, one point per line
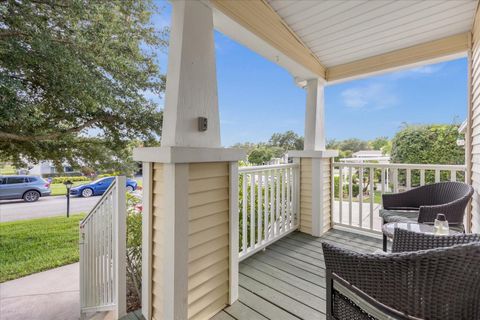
98 187
28 188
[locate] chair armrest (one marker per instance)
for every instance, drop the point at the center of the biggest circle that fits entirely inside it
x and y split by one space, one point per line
453 211
361 300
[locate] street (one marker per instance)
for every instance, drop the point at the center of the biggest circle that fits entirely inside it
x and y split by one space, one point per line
11 210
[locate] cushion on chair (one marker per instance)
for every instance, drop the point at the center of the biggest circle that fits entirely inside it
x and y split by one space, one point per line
398 215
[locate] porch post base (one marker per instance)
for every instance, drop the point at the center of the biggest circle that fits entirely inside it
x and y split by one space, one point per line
315 190
192 268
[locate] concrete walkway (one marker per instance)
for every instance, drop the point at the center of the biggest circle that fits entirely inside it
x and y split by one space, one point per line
48 295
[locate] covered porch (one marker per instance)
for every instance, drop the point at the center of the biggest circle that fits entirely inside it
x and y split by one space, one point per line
245 243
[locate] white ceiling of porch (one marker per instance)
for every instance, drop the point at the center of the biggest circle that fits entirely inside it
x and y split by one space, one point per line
342 31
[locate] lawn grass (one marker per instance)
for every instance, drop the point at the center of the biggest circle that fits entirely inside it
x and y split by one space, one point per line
59 189
31 246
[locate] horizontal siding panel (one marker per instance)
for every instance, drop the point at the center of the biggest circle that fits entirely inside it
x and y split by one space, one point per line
207 235
201 211
210 284
200 277
212 309
202 185
208 248
208 170
206 197
207 222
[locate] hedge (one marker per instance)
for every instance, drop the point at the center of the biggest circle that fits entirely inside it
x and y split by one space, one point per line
72 179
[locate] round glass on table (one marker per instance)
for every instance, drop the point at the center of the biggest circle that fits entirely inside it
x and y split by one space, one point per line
388 229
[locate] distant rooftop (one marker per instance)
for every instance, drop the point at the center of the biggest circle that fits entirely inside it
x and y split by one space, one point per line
367 153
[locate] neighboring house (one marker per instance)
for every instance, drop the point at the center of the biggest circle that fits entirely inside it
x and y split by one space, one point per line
367 156
46 167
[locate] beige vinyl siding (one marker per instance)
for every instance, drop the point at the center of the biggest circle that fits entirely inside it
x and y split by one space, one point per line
327 190
474 126
158 225
306 195
208 239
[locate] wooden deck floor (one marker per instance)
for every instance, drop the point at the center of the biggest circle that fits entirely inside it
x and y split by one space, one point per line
287 280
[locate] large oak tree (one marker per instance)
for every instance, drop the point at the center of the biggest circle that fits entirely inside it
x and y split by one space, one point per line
73 78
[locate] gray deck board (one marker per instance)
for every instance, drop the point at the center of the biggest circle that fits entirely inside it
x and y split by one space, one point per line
287 280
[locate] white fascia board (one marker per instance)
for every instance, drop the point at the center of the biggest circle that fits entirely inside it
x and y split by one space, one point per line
187 154
237 32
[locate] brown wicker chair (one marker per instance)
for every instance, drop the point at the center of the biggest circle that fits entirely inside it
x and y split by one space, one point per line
449 198
422 204
406 240
442 283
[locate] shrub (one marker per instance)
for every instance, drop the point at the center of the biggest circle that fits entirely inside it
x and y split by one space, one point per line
134 247
62 174
104 175
72 179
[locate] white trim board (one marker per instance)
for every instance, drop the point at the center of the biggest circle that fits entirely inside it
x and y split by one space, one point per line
187 154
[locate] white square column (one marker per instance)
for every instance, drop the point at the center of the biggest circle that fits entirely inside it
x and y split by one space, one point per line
315 165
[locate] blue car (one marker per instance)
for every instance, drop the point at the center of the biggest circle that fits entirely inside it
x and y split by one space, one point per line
98 187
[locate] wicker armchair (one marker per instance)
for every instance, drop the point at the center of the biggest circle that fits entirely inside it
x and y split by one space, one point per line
406 240
442 283
423 203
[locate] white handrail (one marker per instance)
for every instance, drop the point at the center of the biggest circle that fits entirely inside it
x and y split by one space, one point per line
103 254
357 198
269 205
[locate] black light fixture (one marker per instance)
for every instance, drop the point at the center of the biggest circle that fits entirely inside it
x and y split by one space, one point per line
69 185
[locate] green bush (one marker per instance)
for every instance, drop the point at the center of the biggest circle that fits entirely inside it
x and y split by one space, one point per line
72 179
134 244
104 175
62 174
336 188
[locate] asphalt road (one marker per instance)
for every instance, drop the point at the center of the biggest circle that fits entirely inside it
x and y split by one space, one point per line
11 210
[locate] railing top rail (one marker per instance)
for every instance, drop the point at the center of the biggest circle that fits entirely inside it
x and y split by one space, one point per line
105 194
269 167
457 167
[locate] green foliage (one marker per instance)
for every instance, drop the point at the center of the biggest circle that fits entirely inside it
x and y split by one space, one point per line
427 144
287 141
62 174
348 147
72 179
263 154
73 79
31 246
104 175
279 143
134 243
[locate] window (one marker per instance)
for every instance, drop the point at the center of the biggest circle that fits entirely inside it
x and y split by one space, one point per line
31 179
14 180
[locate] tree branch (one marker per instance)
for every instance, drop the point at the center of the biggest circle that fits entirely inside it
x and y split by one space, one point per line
5 136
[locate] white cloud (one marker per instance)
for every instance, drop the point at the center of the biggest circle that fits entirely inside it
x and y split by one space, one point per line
373 96
416 72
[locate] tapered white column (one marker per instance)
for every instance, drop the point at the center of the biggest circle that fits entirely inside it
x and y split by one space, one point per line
190 231
314 115
191 79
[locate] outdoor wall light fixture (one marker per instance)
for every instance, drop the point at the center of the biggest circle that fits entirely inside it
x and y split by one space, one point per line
202 124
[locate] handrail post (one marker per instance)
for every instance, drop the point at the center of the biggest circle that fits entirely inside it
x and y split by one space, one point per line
120 250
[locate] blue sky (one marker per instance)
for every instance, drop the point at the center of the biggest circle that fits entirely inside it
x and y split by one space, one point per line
258 98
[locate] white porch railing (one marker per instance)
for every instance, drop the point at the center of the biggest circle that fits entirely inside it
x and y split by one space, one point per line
268 205
357 188
103 254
